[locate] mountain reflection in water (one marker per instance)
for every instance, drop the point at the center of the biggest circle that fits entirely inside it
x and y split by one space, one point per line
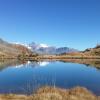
24 77
32 64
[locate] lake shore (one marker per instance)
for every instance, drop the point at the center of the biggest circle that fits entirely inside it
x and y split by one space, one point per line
34 57
62 57
87 60
93 60
52 93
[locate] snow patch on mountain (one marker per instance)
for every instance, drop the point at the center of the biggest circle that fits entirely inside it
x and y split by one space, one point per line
23 44
44 45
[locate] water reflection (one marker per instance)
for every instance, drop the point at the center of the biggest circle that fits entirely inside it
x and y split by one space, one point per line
88 62
27 76
10 63
33 64
44 63
19 64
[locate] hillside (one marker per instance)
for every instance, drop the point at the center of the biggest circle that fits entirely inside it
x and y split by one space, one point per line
11 50
90 52
93 51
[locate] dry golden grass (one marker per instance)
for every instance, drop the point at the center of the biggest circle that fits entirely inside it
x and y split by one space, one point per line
49 93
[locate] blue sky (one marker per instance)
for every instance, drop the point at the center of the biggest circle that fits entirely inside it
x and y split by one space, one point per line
72 23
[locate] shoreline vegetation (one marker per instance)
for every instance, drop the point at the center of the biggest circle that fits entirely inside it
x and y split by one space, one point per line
58 57
26 57
53 93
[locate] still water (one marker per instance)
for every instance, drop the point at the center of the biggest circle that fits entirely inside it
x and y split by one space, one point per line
26 78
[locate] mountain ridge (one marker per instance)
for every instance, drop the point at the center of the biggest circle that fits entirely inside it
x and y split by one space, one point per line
10 50
45 49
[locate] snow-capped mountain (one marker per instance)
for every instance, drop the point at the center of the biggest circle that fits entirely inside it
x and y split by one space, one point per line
36 46
46 49
17 48
23 44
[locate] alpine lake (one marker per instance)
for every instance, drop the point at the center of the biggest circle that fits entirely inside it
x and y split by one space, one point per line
25 77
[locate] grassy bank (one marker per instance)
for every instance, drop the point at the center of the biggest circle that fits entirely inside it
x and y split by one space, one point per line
52 57
50 93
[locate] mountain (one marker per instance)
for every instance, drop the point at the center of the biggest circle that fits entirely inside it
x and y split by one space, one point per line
65 50
14 49
88 53
45 49
11 49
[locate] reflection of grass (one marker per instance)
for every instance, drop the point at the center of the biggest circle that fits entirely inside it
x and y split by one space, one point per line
89 62
9 63
95 64
36 82
6 63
